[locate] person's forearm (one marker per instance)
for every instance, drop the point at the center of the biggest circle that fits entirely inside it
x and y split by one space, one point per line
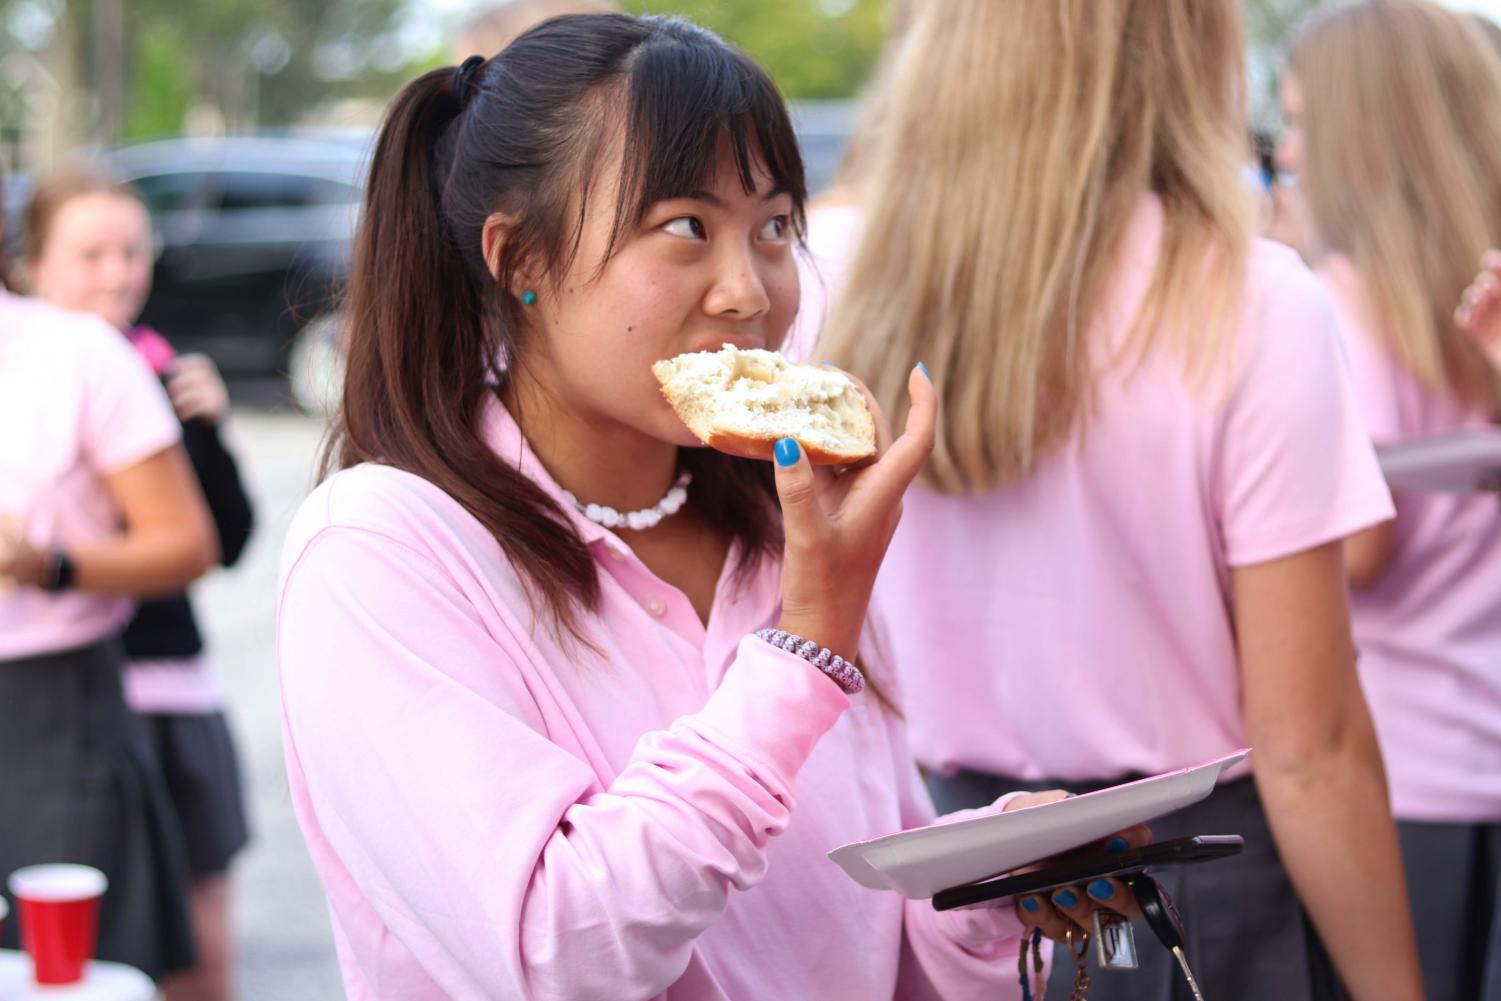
1334 829
143 564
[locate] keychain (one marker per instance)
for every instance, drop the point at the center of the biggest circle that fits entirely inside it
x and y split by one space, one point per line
1114 942
1081 963
1021 962
1164 920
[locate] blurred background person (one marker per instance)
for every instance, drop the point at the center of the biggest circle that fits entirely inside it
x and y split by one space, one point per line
1399 217
498 24
98 507
1148 458
89 249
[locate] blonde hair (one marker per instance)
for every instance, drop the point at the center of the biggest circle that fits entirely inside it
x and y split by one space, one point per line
1018 141
1402 172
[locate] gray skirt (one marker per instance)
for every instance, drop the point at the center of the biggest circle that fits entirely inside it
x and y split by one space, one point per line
1247 938
1454 881
78 783
202 772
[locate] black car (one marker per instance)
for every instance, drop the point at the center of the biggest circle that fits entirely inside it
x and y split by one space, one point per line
254 241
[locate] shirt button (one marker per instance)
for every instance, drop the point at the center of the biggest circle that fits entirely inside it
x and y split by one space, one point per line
656 607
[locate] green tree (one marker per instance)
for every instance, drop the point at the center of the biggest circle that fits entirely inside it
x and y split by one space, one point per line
1268 25
812 48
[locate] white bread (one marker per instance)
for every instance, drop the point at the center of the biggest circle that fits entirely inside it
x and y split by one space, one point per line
745 401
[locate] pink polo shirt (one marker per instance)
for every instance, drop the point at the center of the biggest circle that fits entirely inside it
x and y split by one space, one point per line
1429 629
1077 625
495 813
76 405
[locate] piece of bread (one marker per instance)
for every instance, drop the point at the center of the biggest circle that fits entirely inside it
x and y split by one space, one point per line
744 401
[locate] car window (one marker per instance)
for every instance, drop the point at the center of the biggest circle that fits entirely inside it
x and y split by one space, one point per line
245 190
172 192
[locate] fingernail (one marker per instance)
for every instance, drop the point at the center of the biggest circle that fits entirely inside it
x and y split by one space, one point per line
1066 898
1101 889
787 452
924 369
1116 845
1031 904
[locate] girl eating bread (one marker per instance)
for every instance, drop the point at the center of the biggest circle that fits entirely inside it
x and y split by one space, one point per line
575 706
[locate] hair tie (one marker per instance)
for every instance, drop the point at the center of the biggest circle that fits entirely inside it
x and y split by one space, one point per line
462 74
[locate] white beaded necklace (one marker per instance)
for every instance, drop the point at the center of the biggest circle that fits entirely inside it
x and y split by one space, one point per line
647 517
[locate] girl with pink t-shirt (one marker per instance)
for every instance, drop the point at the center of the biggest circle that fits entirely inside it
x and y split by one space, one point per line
88 247
538 752
97 508
1396 237
1124 556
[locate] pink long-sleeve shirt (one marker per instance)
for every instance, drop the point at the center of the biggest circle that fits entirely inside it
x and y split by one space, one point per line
495 813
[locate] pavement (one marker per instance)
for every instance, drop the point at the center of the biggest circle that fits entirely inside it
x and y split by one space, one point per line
284 949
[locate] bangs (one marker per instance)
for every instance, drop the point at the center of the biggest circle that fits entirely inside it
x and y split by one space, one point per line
688 95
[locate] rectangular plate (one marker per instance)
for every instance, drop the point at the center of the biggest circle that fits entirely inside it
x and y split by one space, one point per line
920 862
1461 462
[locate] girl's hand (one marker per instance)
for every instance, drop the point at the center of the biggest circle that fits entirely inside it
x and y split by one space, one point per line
20 564
1479 310
196 388
839 522
1069 908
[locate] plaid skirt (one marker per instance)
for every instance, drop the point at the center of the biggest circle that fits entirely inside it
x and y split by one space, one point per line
78 783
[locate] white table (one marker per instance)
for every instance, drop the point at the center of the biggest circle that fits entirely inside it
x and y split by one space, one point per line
101 982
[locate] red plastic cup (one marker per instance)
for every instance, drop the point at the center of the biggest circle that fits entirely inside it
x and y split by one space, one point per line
58 906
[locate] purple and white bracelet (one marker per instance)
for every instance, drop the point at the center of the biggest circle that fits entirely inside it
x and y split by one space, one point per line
840 671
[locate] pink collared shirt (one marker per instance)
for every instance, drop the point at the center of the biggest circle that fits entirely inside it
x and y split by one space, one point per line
495 813
76 405
1077 625
1429 628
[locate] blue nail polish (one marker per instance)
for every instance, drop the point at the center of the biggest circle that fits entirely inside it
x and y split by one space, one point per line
1116 846
787 452
1101 889
1066 898
925 371
1031 904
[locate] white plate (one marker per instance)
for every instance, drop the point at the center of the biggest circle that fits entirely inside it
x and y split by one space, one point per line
919 863
1458 463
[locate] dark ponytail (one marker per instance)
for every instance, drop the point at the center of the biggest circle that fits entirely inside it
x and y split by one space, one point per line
429 324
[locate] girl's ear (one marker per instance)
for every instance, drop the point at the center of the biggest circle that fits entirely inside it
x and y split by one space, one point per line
493 237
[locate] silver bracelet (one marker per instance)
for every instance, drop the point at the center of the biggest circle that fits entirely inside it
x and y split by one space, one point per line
840 671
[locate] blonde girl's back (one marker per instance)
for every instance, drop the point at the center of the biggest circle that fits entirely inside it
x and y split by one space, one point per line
1147 443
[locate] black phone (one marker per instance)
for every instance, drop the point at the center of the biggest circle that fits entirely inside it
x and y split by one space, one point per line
1179 851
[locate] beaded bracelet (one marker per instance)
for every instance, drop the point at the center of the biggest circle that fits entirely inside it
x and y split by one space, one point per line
840 671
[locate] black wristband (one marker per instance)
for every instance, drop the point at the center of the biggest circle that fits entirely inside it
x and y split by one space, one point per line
61 577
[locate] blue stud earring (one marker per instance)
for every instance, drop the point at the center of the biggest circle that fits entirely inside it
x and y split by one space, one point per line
528 298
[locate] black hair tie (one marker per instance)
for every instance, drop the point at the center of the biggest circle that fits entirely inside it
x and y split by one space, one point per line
462 74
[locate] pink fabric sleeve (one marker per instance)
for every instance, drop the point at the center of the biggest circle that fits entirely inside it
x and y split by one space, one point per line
491 853
1295 464
127 417
956 955
945 954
